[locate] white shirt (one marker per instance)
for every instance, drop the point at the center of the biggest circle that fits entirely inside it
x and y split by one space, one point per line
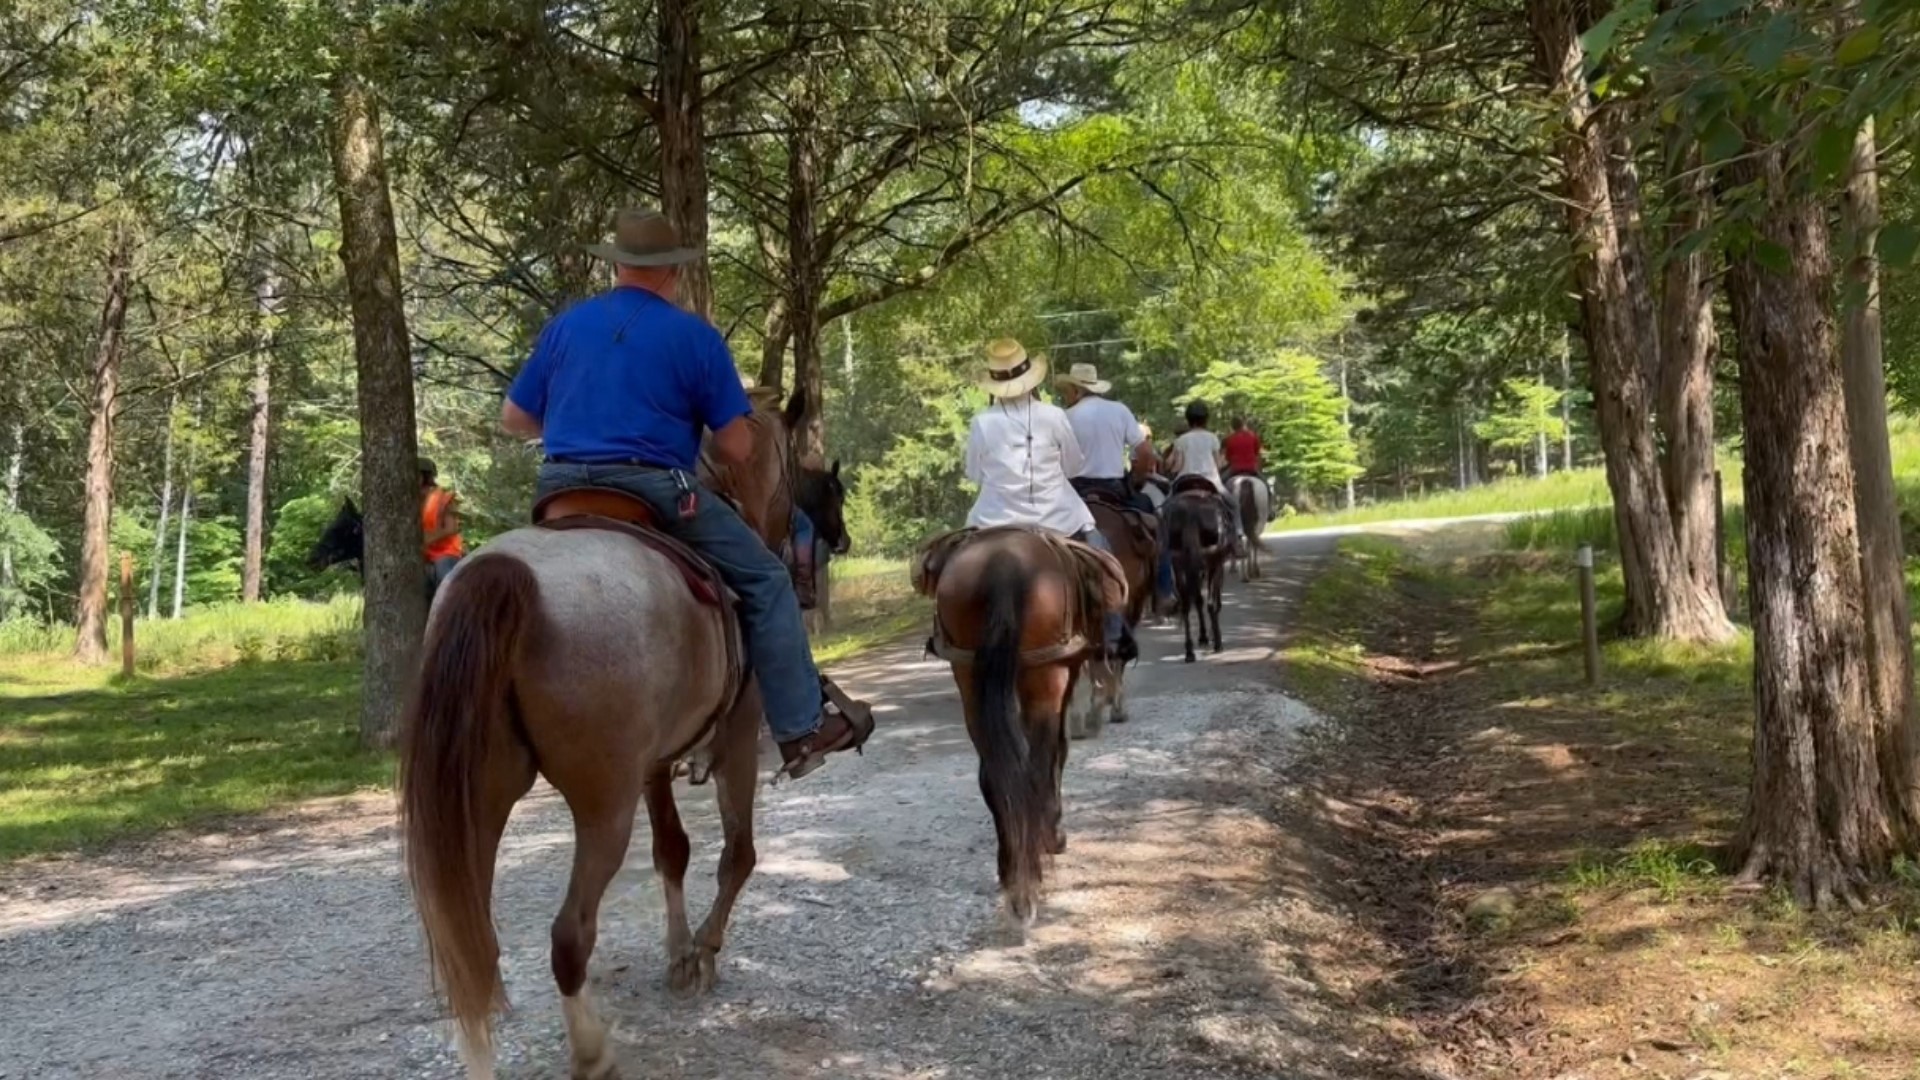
1199 452
1021 453
1107 431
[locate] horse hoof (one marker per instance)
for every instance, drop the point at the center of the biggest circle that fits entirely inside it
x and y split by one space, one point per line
1058 845
692 973
603 1069
1189 656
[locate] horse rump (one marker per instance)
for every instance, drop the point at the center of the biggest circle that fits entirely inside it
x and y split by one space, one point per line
459 707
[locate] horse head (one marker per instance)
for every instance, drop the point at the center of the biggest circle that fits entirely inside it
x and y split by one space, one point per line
343 540
765 485
823 498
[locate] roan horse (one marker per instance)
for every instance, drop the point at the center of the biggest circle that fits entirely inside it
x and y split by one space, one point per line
1252 497
1016 613
1138 551
580 655
1197 528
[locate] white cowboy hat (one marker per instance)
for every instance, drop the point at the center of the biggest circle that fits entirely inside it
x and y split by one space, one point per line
1084 376
1010 371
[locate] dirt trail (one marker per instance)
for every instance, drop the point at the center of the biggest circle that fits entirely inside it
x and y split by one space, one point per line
1184 935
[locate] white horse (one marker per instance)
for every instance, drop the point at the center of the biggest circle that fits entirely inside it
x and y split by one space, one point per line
1253 498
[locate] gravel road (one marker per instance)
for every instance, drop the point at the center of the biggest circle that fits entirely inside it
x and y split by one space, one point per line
1183 935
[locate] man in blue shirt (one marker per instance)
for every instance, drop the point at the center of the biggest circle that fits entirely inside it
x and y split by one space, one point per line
619 388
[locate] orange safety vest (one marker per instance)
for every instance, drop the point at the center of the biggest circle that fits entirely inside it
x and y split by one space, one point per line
431 514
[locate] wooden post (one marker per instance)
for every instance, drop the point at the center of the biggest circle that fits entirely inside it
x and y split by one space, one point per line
1589 618
126 614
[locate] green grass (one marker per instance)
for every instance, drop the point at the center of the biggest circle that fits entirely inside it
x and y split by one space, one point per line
236 710
1667 867
1561 490
873 604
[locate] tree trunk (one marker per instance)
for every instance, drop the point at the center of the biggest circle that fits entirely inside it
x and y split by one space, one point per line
1819 817
395 598
1566 405
1542 462
1346 420
186 515
1688 352
1877 505
16 462
1662 598
773 345
1460 447
805 271
166 508
683 138
90 643
257 439
1623 189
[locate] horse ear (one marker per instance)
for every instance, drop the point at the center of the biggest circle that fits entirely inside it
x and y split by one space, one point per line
349 508
796 410
835 471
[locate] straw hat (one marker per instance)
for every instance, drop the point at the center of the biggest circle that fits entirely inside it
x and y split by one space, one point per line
1010 371
643 238
1084 376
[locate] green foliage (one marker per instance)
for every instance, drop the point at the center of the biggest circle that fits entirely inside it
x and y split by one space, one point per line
1296 409
1532 412
35 560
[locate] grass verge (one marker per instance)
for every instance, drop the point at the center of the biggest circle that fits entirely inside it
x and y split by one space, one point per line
1547 857
243 709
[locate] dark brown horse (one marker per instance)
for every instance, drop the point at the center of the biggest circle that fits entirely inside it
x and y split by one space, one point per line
580 655
1201 533
1017 613
1137 551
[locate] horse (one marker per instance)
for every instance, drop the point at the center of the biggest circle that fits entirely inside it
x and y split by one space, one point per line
1017 613
1252 497
581 655
1201 536
1137 551
823 498
344 540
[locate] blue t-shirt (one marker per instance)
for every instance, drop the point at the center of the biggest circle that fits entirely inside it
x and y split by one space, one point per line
627 376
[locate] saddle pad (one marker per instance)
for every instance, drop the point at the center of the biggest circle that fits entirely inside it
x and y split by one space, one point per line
1194 482
1103 583
702 580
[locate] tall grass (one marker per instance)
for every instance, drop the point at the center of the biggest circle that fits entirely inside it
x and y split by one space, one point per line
1561 490
207 637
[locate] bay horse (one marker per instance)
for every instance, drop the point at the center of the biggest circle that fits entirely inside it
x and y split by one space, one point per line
1017 613
1252 497
584 656
1201 535
1137 551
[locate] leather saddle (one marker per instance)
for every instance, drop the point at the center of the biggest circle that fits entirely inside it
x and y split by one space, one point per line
1145 526
1193 482
616 511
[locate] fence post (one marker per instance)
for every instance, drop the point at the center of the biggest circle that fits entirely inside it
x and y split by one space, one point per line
126 614
1589 619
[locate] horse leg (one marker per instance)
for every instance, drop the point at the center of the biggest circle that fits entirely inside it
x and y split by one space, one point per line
600 835
736 777
1213 605
671 853
1186 623
1081 703
1041 699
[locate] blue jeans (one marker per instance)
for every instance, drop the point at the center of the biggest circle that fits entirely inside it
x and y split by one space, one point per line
770 615
1113 625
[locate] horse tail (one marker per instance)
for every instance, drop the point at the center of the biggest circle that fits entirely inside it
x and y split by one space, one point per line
1009 776
1251 521
1192 559
460 706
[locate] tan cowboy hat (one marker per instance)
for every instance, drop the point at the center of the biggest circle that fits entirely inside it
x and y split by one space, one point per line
1010 371
1084 376
643 238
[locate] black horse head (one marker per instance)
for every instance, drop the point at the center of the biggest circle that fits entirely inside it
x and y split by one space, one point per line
823 498
344 540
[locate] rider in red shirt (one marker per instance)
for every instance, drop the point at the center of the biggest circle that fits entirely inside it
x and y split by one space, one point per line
1242 449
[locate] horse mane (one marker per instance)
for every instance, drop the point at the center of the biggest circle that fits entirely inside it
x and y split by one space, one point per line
770 430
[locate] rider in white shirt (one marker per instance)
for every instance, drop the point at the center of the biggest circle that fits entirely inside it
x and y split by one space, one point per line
1197 452
1108 434
1021 451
